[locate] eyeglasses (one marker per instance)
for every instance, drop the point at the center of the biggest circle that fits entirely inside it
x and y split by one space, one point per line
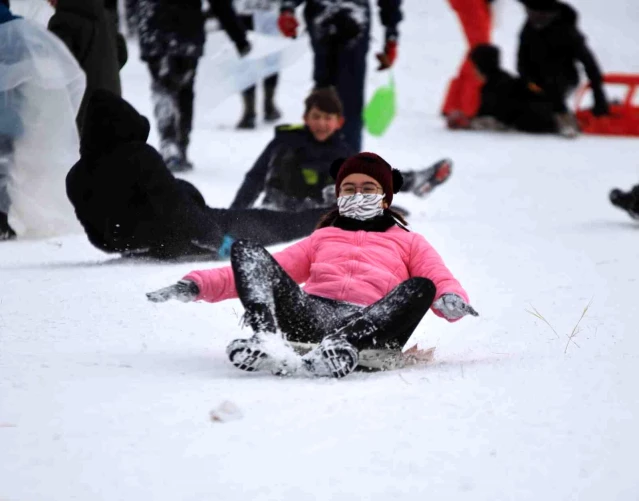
366 189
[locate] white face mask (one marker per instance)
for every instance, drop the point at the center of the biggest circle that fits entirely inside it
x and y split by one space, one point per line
360 206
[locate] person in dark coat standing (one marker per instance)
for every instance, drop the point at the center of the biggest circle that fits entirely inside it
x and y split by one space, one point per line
339 34
129 202
171 36
550 46
507 100
88 31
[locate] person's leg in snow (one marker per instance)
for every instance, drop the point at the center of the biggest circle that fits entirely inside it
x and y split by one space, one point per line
248 115
628 201
274 301
271 113
172 91
6 162
350 87
423 182
187 68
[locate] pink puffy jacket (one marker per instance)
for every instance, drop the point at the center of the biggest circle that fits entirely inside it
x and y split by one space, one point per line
358 267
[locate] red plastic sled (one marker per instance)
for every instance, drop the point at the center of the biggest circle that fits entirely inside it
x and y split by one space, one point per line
624 117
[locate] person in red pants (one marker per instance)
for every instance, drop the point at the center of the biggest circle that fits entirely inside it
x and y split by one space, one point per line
462 100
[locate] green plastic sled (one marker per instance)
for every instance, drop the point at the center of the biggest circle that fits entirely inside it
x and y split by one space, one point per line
380 110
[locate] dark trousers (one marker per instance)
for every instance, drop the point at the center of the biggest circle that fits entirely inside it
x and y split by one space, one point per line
6 163
273 300
270 83
173 79
344 68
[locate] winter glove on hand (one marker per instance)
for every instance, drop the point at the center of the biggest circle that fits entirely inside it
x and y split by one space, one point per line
184 290
453 307
387 58
244 47
288 24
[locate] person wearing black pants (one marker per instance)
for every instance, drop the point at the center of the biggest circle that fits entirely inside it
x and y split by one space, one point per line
272 299
171 35
129 202
367 279
340 33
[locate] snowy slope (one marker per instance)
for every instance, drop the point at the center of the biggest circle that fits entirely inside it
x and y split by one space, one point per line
106 396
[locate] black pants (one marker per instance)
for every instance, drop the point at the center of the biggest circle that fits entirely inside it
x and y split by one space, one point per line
172 89
345 69
6 163
273 300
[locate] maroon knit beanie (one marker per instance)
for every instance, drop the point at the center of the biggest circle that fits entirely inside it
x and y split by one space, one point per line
372 165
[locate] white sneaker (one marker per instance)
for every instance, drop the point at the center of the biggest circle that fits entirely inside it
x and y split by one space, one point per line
333 357
264 352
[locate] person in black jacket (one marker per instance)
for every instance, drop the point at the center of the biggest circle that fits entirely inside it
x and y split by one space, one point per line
550 45
339 33
506 101
171 36
293 170
87 29
129 202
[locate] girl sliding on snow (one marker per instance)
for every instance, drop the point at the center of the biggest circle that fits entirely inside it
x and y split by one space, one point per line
368 282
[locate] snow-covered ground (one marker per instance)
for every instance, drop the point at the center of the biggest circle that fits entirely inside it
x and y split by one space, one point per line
105 396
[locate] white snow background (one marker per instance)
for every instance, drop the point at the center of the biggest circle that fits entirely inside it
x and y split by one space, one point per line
105 396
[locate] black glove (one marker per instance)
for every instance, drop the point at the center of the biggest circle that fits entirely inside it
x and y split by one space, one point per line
244 47
185 291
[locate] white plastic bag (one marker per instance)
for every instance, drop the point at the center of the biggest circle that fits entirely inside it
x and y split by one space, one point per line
43 85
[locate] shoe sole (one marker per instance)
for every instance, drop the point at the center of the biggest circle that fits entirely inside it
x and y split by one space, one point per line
248 359
334 360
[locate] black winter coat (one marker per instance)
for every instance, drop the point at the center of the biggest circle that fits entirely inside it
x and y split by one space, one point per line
547 57
351 19
510 101
88 31
129 202
292 170
176 27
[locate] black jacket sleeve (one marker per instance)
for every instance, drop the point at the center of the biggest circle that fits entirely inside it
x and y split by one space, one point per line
254 180
224 11
523 63
390 14
584 54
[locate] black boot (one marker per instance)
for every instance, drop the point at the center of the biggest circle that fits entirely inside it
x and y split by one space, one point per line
248 118
271 113
6 231
626 201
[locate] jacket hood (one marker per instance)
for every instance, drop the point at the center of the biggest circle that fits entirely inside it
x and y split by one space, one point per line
86 8
567 14
111 121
